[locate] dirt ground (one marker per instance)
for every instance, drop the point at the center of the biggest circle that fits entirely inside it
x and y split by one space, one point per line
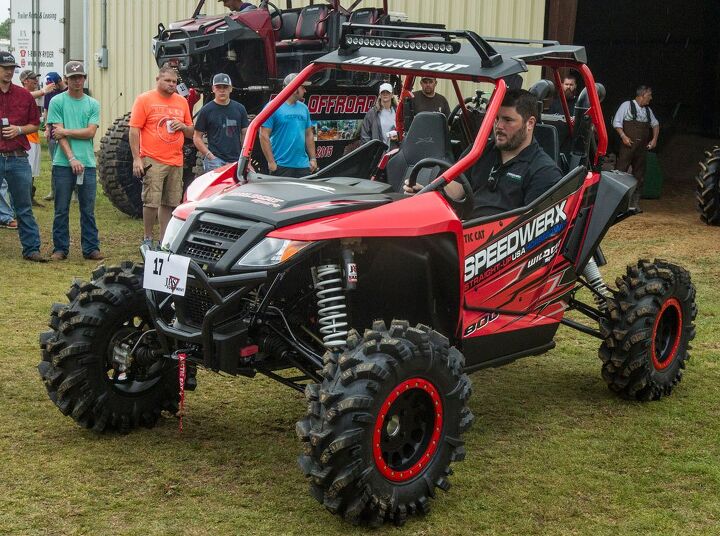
673 220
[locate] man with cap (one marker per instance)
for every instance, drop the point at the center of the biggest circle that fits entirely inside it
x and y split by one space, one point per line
287 138
379 121
238 5
160 121
54 85
20 117
74 118
427 100
224 122
29 80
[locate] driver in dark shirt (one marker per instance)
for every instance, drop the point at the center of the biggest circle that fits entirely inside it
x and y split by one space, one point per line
513 170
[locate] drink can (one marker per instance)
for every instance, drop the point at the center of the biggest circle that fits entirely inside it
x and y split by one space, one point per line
80 177
5 123
169 127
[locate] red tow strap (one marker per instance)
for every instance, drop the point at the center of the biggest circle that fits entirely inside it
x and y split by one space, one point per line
181 381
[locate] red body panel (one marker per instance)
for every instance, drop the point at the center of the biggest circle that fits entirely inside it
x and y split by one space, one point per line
421 215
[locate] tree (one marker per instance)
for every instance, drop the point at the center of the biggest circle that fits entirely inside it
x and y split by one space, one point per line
5 29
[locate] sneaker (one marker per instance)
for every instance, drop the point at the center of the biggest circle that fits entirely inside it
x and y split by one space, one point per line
58 256
94 256
49 197
12 224
35 257
36 203
147 242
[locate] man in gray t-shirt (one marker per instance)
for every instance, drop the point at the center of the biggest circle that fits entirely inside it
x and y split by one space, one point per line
427 100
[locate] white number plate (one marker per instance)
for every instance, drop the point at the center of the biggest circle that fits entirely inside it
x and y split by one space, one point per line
166 272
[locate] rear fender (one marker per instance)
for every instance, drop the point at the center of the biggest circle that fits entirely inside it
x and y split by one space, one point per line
612 200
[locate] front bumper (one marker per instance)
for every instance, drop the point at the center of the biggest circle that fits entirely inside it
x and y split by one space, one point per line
222 329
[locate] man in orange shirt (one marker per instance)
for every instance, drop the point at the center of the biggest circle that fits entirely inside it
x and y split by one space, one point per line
159 122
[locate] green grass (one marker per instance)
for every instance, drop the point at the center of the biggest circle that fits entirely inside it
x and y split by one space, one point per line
552 450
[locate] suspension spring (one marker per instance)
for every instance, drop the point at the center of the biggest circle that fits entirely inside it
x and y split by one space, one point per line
332 310
595 280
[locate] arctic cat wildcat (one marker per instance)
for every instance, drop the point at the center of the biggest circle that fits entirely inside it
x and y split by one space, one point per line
377 305
257 48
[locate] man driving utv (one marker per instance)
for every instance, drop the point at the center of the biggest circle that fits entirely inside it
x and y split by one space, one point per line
513 170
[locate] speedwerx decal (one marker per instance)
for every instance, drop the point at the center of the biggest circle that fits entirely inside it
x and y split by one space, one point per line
517 242
407 64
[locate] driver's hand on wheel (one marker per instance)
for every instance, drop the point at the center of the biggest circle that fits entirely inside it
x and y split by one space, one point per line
411 190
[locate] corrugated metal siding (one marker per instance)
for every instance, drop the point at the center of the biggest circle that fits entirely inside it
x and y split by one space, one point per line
132 23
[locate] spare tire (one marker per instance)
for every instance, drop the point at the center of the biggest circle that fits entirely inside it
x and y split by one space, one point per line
708 187
115 168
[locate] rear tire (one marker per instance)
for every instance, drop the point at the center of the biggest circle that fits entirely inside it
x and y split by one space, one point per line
79 368
385 424
708 188
651 325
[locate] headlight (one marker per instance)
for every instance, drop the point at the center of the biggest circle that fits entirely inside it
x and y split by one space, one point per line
272 251
171 231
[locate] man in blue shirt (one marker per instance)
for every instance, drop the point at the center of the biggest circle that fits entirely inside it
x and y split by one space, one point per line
287 137
224 122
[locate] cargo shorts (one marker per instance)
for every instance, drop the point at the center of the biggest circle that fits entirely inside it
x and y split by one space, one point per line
162 184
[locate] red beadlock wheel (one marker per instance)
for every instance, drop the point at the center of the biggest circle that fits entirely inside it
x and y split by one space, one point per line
667 332
407 430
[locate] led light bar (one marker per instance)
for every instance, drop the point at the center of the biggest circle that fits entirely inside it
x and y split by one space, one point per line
417 45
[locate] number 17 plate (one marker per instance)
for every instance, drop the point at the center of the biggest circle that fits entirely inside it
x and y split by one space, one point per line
166 272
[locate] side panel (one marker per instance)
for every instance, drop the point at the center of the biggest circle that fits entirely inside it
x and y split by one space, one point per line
514 277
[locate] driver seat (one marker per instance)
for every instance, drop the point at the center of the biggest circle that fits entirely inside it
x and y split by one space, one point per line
428 137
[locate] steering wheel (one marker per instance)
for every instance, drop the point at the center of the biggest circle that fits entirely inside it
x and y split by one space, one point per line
464 207
276 20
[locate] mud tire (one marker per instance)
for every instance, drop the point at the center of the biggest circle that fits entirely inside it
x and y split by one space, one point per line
76 364
115 168
648 335
354 403
707 192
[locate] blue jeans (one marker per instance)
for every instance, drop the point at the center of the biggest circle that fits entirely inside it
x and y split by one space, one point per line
6 212
209 165
16 171
65 181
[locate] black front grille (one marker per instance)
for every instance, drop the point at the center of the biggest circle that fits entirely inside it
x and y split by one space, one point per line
202 253
209 241
197 304
220 231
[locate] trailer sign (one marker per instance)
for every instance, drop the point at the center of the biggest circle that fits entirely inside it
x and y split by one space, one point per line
37 37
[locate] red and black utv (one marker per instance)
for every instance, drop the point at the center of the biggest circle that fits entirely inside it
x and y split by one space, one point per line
376 304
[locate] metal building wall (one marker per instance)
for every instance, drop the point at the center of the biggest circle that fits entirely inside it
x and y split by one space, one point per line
132 23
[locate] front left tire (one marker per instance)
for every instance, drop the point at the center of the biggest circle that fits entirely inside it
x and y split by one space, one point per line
384 425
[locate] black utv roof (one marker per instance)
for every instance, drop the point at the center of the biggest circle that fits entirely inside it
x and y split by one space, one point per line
400 49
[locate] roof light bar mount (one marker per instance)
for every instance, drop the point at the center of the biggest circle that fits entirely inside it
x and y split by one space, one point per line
354 36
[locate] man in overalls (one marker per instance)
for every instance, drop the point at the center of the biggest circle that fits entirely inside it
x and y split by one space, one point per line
638 129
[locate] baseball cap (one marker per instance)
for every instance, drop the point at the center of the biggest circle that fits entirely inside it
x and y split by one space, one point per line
73 68
52 77
221 79
7 59
292 76
27 73
385 87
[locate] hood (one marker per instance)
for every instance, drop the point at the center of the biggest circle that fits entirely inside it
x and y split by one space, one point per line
282 201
